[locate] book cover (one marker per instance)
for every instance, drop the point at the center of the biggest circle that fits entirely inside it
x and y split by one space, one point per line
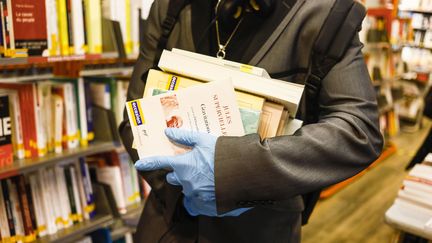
70 193
278 91
17 130
250 105
9 209
30 25
29 234
52 29
6 152
210 108
4 229
16 210
270 119
38 204
47 195
90 209
76 192
62 191
62 21
93 22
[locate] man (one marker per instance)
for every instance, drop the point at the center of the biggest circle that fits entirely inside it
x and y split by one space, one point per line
244 189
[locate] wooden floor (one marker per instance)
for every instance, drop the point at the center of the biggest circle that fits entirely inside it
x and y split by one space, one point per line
356 213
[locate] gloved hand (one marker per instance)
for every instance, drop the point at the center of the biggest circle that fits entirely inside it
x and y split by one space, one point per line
194 171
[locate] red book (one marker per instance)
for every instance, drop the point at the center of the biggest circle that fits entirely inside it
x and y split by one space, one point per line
25 93
25 209
30 25
6 153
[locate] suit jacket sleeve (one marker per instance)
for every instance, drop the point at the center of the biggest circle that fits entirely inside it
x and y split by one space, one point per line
345 141
166 194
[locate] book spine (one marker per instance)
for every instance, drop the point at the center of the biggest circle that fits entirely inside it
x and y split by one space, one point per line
10 27
25 209
19 137
71 116
52 28
47 200
17 210
89 196
39 207
39 126
3 27
94 25
58 108
89 113
70 27
9 208
76 193
82 112
63 27
62 191
70 193
78 26
4 222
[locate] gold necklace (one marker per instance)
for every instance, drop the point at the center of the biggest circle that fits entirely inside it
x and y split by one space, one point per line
222 52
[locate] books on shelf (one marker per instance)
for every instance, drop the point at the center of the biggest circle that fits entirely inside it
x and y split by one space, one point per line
412 209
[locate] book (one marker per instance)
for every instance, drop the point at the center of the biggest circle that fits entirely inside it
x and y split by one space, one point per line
250 105
62 20
210 108
9 209
61 189
6 152
270 119
30 26
41 226
56 127
93 22
77 19
261 72
111 175
52 29
47 194
90 208
29 234
282 92
16 210
4 229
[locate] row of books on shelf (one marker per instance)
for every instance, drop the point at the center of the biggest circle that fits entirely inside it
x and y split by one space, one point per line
50 116
70 27
417 58
425 5
412 209
46 201
180 97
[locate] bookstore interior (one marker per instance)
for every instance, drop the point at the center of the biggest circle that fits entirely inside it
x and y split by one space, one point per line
65 175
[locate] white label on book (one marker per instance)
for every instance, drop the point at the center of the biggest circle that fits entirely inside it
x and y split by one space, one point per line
210 108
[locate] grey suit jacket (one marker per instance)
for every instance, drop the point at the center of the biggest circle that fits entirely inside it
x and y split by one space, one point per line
269 175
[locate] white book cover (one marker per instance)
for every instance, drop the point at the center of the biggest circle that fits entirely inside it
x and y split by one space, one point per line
57 123
62 191
76 193
210 108
82 112
261 72
4 229
44 97
47 201
52 29
54 194
41 136
282 92
39 205
422 171
428 157
78 27
111 175
81 190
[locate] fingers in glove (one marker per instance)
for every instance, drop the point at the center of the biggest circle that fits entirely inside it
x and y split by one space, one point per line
173 179
182 136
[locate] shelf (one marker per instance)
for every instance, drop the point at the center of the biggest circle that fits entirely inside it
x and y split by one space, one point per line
423 11
106 71
133 214
119 232
19 79
28 165
75 232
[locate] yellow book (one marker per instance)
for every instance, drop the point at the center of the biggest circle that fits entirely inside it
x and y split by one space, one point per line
128 39
270 119
93 21
63 27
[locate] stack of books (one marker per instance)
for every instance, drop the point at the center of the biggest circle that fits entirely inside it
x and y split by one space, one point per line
412 209
50 116
222 98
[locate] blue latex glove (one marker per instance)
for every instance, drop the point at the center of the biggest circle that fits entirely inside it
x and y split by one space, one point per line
194 171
